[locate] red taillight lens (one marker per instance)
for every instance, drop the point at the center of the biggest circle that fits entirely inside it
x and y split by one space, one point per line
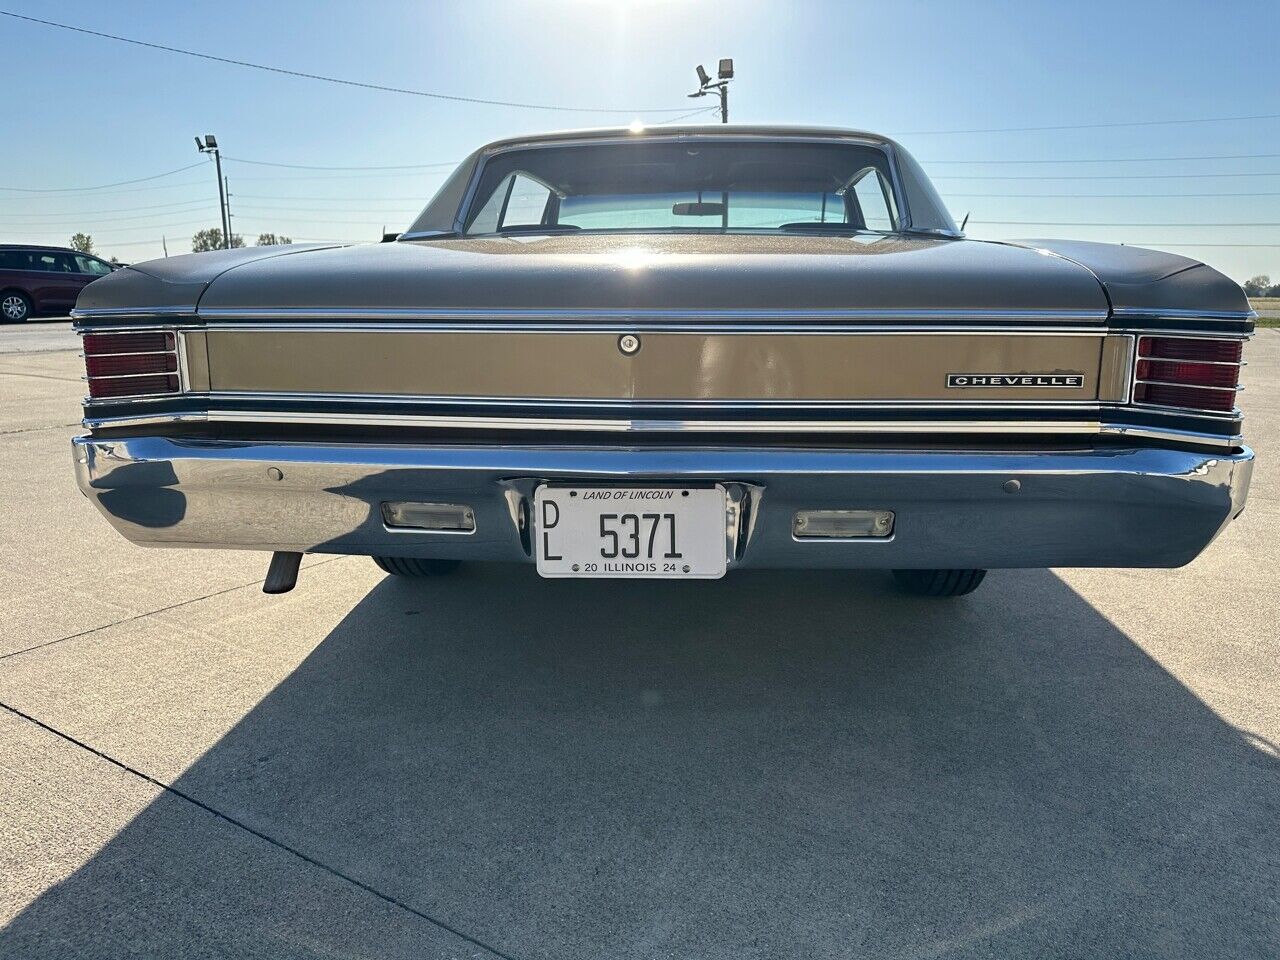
127 342
1196 373
131 364
1191 348
116 365
1200 398
132 386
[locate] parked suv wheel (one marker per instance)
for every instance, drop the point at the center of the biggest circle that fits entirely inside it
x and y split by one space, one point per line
416 566
15 307
939 583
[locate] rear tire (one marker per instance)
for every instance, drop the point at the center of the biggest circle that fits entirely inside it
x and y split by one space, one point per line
15 307
416 566
939 583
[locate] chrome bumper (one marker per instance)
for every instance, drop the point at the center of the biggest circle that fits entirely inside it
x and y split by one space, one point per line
1111 507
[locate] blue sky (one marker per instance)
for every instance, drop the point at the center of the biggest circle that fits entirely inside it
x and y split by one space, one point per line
82 111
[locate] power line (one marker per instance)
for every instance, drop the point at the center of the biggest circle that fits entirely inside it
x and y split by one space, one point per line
103 186
154 186
691 113
416 198
1108 196
74 221
94 213
1224 156
397 211
1118 176
1086 223
1092 126
44 228
337 80
303 166
344 176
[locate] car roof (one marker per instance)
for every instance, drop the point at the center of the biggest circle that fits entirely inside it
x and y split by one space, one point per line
689 129
42 246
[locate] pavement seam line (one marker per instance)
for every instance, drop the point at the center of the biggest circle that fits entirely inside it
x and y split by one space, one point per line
279 844
38 376
150 613
52 426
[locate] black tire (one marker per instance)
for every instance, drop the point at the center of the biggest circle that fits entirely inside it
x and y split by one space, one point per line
416 566
15 307
939 583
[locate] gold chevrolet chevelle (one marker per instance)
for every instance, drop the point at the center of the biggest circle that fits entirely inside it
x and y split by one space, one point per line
673 353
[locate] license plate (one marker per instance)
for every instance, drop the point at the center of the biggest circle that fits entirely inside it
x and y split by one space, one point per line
671 532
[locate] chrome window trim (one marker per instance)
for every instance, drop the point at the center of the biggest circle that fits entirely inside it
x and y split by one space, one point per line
489 153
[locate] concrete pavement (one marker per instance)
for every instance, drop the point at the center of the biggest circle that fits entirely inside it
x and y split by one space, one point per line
39 335
1065 764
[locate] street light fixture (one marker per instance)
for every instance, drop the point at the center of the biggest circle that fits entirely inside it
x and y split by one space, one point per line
210 145
720 85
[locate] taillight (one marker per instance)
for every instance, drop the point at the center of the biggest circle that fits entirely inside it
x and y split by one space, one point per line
131 364
1197 373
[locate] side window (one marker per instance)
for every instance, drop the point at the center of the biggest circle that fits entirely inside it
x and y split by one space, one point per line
518 201
876 200
486 221
52 262
91 265
526 204
12 260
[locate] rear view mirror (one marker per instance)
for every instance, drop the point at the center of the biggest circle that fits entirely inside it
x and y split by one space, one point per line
698 209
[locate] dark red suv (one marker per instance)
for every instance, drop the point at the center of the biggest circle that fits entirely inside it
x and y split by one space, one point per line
36 280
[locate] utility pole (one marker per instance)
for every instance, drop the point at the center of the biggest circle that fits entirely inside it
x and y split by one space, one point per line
210 145
226 193
720 85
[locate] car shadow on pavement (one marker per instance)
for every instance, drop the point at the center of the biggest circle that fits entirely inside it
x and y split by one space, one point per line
777 764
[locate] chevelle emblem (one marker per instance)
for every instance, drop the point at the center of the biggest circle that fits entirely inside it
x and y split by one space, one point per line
1015 380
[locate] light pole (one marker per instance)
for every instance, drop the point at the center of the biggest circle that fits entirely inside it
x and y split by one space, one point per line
721 85
210 145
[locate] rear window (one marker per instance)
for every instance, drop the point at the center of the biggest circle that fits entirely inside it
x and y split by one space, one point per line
686 185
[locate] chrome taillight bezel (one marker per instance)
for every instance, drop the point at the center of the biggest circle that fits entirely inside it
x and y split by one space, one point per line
117 346
1148 347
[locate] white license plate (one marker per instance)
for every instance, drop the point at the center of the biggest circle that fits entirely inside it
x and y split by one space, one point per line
673 532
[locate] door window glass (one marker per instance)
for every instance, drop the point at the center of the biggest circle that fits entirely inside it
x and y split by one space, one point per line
876 201
91 265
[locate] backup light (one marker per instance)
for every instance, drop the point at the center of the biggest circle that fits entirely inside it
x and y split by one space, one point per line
841 524
437 517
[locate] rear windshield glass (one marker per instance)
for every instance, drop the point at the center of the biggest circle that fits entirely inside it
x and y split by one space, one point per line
699 186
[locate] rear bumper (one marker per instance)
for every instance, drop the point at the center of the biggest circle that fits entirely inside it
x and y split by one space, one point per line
1116 507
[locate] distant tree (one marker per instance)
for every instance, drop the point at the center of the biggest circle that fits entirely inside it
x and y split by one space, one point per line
211 239
1274 291
1258 286
272 240
82 242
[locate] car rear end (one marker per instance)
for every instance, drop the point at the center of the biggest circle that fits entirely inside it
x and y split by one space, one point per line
830 445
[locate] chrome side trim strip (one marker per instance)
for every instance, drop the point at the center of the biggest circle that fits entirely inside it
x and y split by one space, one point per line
125 312
614 403
633 315
1029 428
1231 316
